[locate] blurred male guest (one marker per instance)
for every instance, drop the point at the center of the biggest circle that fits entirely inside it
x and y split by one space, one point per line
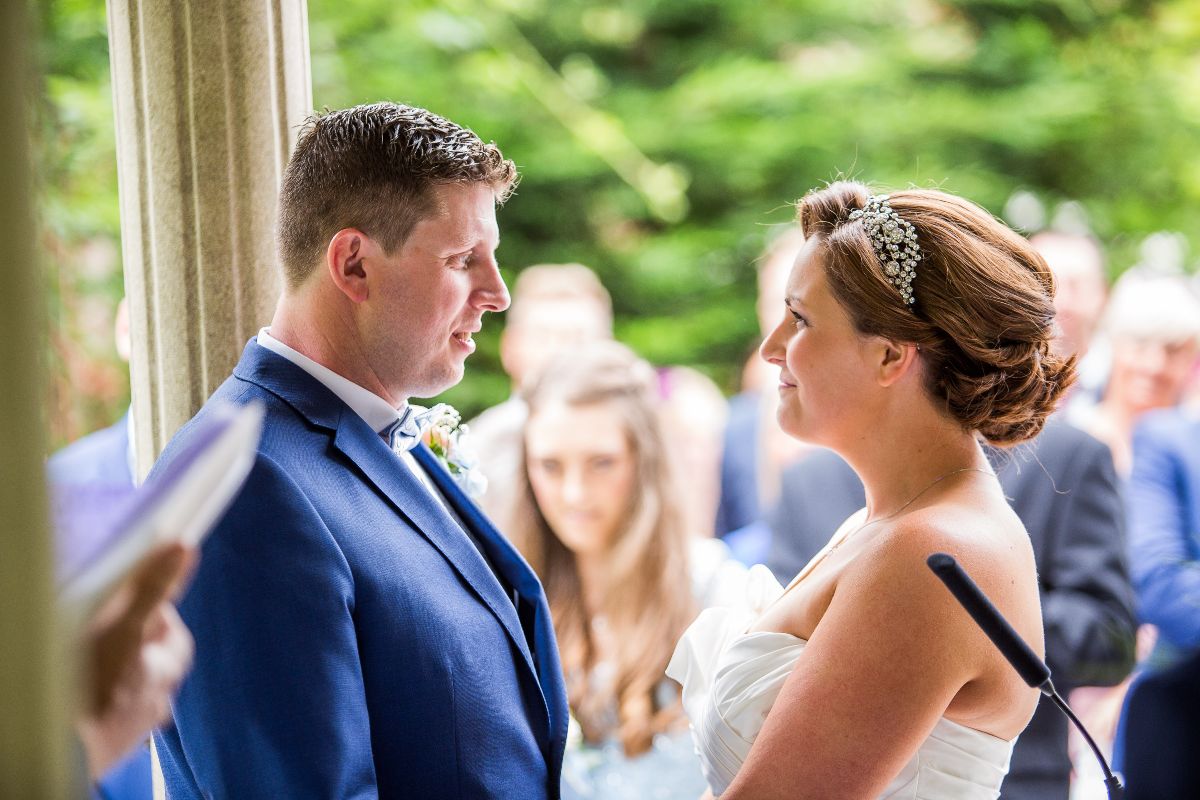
555 307
1080 296
92 479
1153 325
1160 717
91 484
1164 530
1162 733
361 628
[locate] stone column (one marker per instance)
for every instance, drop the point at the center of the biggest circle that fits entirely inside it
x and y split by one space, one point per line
33 675
208 95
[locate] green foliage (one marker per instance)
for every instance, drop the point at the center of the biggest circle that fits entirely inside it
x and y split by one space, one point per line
75 143
661 141
744 107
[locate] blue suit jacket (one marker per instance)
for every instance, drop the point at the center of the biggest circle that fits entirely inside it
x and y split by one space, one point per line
351 642
1164 528
1161 736
738 505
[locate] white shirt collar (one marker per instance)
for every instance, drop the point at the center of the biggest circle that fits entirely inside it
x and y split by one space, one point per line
377 412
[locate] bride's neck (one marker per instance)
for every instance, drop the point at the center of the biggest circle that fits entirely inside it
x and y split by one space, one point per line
897 461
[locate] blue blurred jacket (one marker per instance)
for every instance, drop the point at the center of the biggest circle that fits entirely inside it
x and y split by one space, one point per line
1164 529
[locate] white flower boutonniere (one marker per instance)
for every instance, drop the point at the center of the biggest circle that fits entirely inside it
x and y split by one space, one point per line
443 431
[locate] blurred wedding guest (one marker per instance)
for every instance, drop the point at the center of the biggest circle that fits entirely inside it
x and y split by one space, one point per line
92 478
1065 490
1164 530
91 481
755 449
137 652
1153 324
1164 554
1162 733
1191 394
599 518
693 413
555 307
1079 300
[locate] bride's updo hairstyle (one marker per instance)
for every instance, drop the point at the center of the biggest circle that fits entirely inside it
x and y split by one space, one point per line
982 309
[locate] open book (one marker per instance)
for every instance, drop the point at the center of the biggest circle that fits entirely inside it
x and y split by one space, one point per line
181 503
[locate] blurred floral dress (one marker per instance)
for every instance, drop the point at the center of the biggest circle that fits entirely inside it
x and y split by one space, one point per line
670 769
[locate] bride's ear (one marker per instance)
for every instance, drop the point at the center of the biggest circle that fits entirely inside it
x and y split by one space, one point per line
895 360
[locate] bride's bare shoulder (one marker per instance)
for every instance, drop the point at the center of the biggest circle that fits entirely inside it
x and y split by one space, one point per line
988 540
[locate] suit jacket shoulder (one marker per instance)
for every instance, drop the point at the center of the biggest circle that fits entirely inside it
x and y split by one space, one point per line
346 629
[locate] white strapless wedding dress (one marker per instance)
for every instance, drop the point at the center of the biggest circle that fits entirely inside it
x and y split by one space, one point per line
730 681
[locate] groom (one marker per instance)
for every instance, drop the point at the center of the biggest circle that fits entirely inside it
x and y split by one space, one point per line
362 631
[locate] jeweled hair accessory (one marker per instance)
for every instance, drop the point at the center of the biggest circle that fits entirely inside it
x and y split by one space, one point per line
894 242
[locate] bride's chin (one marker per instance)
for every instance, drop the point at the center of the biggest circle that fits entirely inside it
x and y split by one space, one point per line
794 429
804 438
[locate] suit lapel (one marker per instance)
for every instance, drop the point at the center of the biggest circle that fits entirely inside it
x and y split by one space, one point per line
521 576
353 437
503 555
412 499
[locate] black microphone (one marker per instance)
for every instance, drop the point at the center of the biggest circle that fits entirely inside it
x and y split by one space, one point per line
1032 669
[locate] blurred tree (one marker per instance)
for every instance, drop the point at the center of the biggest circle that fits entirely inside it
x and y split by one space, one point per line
80 222
661 141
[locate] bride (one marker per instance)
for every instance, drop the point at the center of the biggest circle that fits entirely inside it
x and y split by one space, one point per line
916 325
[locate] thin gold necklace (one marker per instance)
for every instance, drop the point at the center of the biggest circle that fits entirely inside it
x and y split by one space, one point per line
917 496
829 551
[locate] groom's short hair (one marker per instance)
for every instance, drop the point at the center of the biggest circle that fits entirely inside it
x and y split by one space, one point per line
371 167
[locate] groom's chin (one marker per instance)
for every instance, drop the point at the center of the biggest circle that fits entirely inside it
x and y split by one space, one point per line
446 378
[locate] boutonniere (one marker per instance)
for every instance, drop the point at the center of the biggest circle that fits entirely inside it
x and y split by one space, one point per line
443 432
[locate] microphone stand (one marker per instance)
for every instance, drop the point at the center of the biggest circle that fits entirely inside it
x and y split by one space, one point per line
1032 669
1111 781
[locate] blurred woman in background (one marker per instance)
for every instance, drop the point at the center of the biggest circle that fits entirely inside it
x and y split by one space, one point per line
1153 324
600 518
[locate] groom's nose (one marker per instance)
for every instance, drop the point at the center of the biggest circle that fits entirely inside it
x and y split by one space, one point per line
490 293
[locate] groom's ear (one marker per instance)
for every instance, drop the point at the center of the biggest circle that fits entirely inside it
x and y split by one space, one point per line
345 258
894 360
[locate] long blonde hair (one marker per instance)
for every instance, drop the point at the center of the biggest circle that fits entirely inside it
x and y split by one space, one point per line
650 601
